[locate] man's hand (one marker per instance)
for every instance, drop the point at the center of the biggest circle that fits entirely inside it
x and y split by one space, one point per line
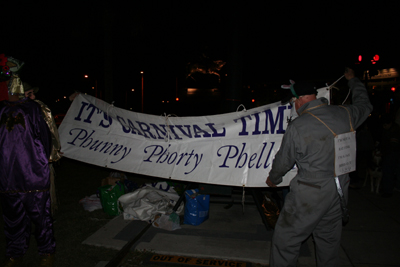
349 73
269 183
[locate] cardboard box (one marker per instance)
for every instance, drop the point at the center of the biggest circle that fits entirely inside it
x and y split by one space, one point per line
109 181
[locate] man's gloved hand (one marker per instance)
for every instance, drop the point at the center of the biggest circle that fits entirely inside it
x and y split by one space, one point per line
349 73
269 183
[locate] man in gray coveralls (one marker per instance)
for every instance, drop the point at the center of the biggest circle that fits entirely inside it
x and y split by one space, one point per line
313 206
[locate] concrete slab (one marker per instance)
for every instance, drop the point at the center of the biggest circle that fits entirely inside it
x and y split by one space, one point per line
101 264
230 234
105 236
226 233
208 247
370 238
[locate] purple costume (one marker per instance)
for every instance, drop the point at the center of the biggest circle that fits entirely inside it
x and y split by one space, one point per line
25 144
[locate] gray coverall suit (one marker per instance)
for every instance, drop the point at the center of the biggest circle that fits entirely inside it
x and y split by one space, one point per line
312 206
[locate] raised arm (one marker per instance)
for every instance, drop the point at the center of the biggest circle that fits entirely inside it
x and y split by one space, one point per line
361 107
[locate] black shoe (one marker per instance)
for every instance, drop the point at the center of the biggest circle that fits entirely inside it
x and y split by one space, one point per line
386 195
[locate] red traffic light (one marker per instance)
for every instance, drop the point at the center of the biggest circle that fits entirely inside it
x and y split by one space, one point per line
374 59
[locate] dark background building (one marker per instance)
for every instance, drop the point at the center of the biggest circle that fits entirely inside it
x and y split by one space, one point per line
263 44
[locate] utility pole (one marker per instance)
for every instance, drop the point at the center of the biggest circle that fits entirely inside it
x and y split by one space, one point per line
235 69
108 48
142 93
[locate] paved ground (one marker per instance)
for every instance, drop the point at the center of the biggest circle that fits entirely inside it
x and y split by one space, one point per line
232 234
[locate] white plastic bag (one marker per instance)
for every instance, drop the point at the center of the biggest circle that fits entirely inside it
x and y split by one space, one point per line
91 203
146 202
168 222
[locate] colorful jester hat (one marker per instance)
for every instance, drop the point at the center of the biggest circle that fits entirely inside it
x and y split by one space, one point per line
9 68
297 90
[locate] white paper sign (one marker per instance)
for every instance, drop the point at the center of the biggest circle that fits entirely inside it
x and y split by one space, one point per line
345 153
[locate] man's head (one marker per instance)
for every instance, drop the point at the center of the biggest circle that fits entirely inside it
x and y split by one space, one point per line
300 93
299 102
30 91
30 94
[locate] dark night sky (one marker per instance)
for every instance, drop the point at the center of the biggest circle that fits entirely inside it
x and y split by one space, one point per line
60 42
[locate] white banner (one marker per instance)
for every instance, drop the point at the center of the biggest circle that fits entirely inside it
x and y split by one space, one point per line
234 149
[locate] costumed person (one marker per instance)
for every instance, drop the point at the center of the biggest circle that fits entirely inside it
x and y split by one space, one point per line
313 206
5 74
55 154
25 145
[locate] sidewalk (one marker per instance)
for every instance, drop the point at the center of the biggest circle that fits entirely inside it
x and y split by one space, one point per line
370 239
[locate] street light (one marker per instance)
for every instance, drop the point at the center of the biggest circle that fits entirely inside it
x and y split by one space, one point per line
95 84
126 97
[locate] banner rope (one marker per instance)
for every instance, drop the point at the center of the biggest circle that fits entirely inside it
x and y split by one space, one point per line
243 110
241 105
332 86
168 132
243 198
110 107
167 137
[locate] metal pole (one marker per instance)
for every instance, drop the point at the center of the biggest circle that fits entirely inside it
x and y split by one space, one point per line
126 99
142 91
95 86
